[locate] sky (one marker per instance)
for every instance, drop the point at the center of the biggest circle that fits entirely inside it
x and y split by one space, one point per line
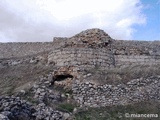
41 20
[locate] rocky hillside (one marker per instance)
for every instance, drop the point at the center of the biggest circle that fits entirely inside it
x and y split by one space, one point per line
86 77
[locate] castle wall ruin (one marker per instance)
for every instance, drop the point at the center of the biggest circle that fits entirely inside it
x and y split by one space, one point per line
14 50
126 60
136 90
94 48
81 57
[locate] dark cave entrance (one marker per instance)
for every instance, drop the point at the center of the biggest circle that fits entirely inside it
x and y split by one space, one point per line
60 78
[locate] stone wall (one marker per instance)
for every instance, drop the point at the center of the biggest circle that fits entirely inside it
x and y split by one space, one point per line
136 90
136 52
82 57
124 60
89 49
133 47
8 50
92 40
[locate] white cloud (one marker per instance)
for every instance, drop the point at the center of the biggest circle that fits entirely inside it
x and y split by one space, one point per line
41 20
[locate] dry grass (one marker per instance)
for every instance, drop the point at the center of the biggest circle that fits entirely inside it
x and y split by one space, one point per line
20 77
123 75
118 112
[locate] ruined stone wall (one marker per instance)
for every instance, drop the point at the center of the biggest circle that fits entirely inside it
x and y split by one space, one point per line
136 52
136 90
129 47
92 40
8 50
125 52
82 57
125 60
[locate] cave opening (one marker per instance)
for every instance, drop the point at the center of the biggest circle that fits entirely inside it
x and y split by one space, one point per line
62 77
